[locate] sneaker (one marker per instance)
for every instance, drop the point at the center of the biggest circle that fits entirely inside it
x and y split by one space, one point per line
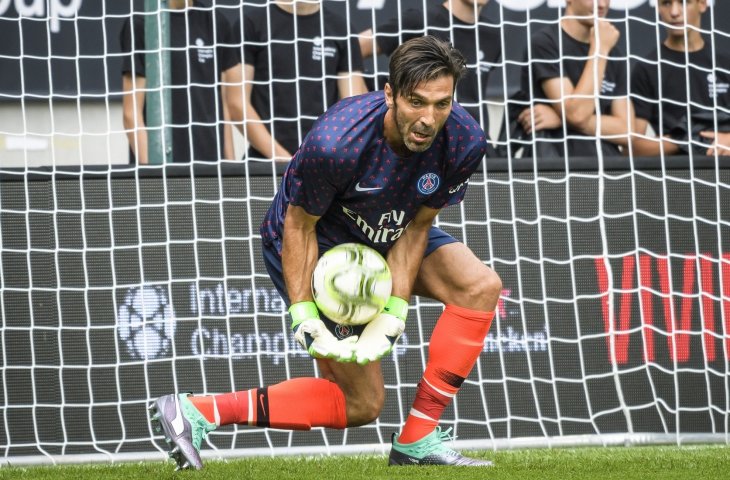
430 450
184 428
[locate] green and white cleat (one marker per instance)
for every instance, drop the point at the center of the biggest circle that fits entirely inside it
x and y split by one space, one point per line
430 450
184 428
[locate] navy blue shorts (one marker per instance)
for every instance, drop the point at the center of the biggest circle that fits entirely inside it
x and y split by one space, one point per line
272 260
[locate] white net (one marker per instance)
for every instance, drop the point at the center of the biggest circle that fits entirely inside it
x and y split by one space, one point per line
119 284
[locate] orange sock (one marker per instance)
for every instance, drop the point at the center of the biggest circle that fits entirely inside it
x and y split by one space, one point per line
207 406
297 404
456 342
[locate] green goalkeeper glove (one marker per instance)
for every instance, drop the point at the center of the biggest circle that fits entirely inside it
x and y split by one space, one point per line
311 332
380 335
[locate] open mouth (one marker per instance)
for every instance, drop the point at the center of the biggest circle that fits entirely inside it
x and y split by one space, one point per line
421 137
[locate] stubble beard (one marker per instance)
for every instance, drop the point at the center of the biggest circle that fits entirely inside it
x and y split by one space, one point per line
405 132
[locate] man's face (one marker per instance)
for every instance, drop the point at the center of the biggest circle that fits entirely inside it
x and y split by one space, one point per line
587 9
421 115
678 14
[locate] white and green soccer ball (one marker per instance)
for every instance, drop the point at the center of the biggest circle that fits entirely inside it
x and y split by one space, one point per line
351 284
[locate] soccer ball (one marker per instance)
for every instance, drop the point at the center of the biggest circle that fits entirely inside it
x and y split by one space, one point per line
351 284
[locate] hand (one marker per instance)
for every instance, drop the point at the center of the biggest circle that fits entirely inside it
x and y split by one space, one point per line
720 144
319 342
378 338
545 118
608 36
312 334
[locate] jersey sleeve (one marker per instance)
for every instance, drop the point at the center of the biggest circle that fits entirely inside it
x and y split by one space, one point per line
132 44
618 58
641 91
312 177
351 57
226 44
545 62
251 44
409 25
455 184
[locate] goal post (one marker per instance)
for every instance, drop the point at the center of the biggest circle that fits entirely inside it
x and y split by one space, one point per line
119 284
158 108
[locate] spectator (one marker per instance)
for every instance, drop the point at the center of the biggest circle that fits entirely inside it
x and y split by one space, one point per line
201 57
298 61
457 21
687 66
569 62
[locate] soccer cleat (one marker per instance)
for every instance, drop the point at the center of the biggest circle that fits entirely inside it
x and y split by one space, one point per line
430 450
184 428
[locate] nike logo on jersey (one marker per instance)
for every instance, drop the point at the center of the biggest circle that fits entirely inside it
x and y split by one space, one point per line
360 188
177 422
263 407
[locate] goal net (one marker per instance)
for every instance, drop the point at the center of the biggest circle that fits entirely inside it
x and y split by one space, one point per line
119 283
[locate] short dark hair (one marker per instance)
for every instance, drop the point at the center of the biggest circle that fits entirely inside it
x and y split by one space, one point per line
423 59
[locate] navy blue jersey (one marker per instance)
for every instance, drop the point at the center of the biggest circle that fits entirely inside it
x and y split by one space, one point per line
345 173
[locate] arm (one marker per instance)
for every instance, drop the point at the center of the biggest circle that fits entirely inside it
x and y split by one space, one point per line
368 46
350 84
256 132
615 126
543 117
579 103
299 253
133 115
406 255
720 143
580 113
228 150
232 80
643 146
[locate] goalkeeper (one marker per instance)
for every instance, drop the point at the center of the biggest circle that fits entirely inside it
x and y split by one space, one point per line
374 169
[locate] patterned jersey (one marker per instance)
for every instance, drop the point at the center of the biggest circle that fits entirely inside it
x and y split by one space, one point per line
345 173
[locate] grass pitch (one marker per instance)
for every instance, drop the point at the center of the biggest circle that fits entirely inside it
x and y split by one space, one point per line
620 463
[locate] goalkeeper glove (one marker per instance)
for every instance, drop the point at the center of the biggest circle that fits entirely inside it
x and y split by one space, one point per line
379 336
311 332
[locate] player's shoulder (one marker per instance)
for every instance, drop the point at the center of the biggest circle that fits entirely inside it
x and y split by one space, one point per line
646 63
203 12
650 56
708 56
547 34
460 120
438 15
351 120
254 13
334 11
336 22
545 42
722 56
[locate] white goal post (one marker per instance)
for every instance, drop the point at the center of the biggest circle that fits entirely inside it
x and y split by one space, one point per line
121 283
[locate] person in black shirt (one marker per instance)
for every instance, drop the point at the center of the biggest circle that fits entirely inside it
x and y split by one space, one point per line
298 61
201 57
570 63
456 21
683 66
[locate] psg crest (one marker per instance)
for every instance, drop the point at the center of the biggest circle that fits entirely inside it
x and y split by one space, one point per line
428 183
343 331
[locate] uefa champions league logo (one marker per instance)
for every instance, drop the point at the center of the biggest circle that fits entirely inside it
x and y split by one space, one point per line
145 323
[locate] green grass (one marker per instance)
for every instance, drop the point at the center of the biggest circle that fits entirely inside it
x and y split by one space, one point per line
630 463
